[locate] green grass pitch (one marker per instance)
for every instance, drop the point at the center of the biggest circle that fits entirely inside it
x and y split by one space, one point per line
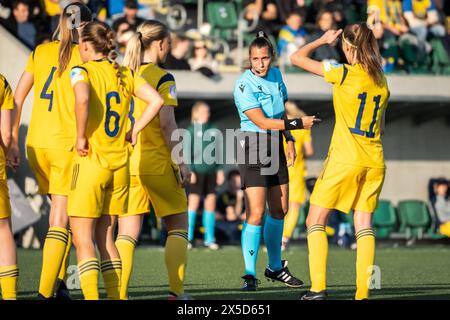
406 273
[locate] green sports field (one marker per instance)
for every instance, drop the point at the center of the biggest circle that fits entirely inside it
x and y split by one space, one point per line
406 273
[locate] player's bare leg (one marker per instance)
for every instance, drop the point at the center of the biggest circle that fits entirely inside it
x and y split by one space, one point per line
111 265
83 230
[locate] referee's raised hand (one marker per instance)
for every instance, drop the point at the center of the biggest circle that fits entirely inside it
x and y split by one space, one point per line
309 121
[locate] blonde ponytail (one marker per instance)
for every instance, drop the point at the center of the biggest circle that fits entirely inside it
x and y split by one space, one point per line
75 12
147 32
134 52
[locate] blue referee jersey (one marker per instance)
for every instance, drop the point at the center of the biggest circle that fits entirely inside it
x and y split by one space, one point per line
268 93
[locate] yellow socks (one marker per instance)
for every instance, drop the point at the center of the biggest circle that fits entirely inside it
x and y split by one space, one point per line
8 282
365 255
290 222
52 258
125 245
88 270
111 271
176 260
66 259
318 252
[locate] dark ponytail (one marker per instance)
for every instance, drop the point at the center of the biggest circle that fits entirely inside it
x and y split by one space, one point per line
361 39
262 41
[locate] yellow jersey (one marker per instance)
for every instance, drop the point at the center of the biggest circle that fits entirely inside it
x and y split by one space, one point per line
52 8
6 102
358 105
301 137
390 11
109 106
53 99
151 155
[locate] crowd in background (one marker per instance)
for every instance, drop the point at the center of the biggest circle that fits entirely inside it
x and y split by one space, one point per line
413 35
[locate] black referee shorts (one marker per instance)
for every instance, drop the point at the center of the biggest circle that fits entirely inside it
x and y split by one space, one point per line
261 159
205 184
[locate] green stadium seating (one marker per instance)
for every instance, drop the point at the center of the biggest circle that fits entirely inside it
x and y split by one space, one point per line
440 60
384 219
414 218
223 19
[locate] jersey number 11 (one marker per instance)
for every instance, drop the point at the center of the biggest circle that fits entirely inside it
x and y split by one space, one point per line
357 129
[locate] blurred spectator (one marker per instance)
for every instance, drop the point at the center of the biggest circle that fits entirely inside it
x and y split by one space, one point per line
99 8
442 206
423 18
123 33
388 25
230 209
292 36
53 10
265 11
325 22
176 59
286 7
130 16
206 173
202 60
19 23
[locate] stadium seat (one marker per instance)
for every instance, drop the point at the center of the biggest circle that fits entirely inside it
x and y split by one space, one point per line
223 19
414 217
384 219
440 60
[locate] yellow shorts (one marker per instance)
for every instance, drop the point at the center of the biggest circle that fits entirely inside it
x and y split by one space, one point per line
297 186
344 187
163 191
5 204
97 191
51 167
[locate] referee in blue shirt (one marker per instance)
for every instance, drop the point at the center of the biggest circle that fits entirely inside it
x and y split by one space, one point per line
259 95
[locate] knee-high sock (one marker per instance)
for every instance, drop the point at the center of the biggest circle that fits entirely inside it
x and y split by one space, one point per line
52 258
251 236
8 282
66 259
191 229
290 222
318 252
273 233
209 222
365 255
112 271
176 260
88 270
126 246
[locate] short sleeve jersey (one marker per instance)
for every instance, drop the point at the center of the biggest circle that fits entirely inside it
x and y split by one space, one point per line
53 99
358 105
109 106
268 93
151 154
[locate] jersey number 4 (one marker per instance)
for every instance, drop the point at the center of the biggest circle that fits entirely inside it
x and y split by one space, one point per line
44 93
357 129
112 115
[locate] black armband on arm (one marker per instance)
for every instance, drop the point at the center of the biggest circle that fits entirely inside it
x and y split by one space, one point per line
293 124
